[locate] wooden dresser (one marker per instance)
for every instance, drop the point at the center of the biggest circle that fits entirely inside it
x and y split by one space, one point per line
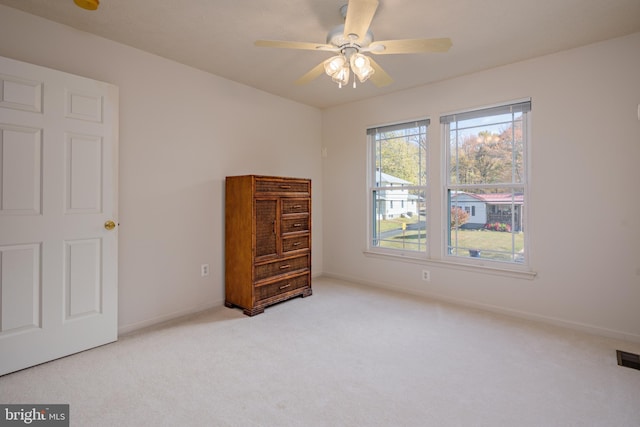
267 241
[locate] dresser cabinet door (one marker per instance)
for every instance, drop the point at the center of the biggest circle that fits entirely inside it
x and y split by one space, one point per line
266 237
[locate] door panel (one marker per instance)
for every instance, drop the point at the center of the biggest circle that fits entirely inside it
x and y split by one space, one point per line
21 94
20 170
83 174
21 292
83 263
58 186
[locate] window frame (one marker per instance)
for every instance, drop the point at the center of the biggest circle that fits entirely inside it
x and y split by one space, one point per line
525 184
435 253
372 249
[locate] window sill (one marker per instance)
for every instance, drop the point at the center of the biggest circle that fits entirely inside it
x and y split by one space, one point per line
476 268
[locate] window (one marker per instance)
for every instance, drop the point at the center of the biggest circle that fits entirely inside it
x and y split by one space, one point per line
398 172
486 166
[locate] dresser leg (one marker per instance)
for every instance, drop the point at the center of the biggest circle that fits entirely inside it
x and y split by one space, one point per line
247 311
253 311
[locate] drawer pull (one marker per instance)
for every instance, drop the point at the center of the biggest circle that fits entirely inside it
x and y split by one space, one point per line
285 286
297 206
285 187
297 244
284 267
297 225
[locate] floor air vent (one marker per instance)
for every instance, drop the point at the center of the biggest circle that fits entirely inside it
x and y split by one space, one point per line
629 360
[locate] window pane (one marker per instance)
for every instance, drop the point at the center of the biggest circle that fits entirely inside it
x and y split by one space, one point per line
397 227
495 232
487 150
401 156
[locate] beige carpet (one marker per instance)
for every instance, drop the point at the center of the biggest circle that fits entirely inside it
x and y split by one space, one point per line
347 356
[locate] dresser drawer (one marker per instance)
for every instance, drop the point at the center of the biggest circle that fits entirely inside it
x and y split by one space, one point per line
296 243
264 271
295 206
281 287
277 186
292 225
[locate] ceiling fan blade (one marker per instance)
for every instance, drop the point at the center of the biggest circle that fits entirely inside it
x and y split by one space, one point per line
409 46
380 77
359 16
296 45
314 73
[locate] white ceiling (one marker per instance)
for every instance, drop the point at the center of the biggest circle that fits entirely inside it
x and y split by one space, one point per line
217 35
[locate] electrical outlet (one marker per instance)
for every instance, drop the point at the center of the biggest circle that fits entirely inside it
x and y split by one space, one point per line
426 275
204 270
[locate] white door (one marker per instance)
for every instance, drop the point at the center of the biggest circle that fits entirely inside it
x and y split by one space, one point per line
58 188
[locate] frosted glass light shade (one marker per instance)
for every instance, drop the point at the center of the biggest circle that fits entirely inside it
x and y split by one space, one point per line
334 64
341 76
361 66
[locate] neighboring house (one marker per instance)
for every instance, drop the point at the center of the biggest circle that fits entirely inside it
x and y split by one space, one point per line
395 203
490 208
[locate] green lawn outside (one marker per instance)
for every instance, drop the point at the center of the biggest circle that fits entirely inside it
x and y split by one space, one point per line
494 245
396 223
488 240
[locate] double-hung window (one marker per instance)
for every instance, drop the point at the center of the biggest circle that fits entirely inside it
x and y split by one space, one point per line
486 183
398 188
484 201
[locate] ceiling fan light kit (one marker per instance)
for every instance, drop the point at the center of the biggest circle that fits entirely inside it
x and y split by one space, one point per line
339 67
350 40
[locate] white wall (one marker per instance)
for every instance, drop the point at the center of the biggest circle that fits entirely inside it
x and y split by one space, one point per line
181 132
585 155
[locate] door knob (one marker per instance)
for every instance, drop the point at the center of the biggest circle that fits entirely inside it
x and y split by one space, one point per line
109 225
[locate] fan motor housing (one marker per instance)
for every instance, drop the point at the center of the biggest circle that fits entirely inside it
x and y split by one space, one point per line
336 38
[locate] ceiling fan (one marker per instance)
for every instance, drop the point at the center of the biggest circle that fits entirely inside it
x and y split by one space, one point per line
350 40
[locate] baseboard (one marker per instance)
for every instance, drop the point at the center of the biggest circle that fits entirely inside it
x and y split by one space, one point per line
563 323
133 327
